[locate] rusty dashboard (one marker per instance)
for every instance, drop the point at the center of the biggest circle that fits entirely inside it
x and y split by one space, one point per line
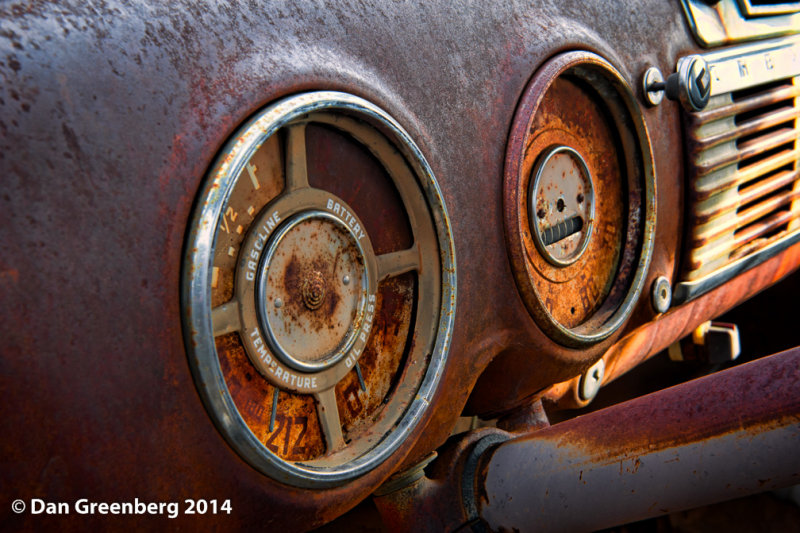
277 255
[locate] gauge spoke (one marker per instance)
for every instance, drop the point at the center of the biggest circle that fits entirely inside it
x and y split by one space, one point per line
296 171
225 318
329 419
396 263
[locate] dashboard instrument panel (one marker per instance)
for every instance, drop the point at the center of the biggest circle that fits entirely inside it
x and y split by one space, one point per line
303 257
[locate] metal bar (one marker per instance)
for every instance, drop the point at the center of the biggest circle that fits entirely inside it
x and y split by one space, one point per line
724 436
687 291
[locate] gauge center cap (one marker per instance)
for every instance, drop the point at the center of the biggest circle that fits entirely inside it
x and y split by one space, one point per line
561 205
312 290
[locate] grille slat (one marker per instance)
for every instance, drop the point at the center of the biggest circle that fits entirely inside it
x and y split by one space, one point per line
751 148
751 127
761 99
746 196
708 187
734 221
763 227
745 179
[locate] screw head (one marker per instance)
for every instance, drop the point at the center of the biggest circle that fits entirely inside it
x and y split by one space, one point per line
653 78
591 381
698 83
661 296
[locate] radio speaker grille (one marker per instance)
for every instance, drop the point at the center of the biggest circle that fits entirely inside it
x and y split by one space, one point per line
745 176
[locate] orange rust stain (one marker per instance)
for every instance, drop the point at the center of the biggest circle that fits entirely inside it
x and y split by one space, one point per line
297 434
382 358
11 275
570 114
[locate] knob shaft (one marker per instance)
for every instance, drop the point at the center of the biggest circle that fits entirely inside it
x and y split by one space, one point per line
690 85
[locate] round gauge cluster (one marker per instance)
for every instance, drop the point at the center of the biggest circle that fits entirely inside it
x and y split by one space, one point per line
579 199
318 289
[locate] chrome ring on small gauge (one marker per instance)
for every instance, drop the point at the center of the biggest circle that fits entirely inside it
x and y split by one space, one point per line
561 199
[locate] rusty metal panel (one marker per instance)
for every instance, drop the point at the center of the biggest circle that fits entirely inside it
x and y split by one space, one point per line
111 114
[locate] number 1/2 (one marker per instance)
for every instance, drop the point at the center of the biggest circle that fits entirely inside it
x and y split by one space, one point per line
229 213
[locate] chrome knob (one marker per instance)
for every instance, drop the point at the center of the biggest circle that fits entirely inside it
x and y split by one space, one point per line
690 85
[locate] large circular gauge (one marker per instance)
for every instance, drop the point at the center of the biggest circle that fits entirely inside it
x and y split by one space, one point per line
579 199
319 288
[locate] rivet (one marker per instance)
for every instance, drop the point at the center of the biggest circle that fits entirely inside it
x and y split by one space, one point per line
661 296
591 381
346 280
278 303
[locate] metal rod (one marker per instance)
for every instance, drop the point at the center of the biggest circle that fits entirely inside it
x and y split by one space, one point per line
724 436
274 410
360 378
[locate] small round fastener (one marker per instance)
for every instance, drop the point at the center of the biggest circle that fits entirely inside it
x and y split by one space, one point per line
653 86
662 294
591 381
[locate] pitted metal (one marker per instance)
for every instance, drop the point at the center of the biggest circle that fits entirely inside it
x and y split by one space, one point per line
299 333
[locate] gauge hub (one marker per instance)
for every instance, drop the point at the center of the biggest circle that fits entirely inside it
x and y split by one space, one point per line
298 313
311 317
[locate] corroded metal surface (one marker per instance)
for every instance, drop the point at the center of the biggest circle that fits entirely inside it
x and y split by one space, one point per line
571 114
719 437
650 339
715 438
305 296
111 115
743 170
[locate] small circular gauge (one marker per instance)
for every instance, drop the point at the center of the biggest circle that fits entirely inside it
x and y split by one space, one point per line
562 200
579 199
319 289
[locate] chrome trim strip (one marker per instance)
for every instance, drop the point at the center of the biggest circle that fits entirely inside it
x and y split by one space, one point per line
723 23
762 10
755 64
687 291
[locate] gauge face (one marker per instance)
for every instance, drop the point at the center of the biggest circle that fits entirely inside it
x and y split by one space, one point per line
562 203
580 199
319 316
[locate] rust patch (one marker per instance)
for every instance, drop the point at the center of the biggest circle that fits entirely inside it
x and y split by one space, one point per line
571 114
576 100
311 293
297 434
751 397
382 358
244 205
